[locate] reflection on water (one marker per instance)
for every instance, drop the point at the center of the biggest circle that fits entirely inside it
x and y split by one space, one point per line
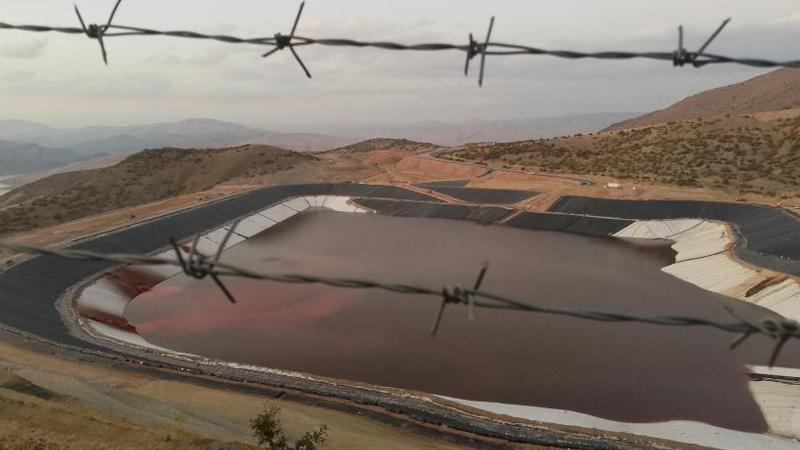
626 372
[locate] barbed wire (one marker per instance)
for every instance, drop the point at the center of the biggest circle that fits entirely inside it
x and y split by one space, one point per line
196 265
679 57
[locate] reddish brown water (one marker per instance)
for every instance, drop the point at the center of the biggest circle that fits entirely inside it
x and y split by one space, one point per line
619 371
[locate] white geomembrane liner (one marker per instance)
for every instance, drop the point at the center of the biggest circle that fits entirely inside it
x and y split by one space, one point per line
278 213
718 273
218 235
705 239
207 247
657 229
676 430
342 204
165 271
783 298
316 201
249 227
258 221
298 204
128 337
702 259
105 296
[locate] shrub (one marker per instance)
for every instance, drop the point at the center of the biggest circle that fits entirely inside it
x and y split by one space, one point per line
269 433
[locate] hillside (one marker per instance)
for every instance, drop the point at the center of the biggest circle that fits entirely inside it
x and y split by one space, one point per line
88 164
770 92
17 158
380 144
738 155
144 177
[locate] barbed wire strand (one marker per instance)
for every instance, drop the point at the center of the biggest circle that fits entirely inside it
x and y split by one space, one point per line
679 57
199 266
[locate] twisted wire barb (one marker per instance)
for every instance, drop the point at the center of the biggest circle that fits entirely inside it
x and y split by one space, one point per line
199 266
679 57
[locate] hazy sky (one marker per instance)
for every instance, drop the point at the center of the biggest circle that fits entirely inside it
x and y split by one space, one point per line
61 80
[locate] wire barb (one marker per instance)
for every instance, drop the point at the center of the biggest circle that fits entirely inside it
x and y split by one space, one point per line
682 56
458 295
781 331
484 48
476 287
282 41
94 31
472 51
197 266
453 295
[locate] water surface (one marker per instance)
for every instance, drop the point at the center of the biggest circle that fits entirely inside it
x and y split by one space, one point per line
629 372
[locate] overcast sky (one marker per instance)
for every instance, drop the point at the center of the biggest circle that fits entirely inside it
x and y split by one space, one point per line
61 80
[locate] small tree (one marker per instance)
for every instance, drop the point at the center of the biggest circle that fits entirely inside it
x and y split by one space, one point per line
269 432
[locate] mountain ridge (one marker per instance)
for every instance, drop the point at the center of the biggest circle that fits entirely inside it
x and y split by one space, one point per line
144 177
481 130
773 91
187 133
19 157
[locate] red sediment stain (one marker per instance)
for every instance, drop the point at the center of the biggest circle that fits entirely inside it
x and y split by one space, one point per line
108 319
251 309
135 281
132 281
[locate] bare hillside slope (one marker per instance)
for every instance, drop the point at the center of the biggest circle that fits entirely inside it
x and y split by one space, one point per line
769 92
144 177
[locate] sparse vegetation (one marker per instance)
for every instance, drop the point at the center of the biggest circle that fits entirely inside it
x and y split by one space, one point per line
737 154
387 144
144 177
268 431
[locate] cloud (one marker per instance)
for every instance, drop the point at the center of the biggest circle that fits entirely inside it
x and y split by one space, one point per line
793 18
128 86
16 76
203 58
22 48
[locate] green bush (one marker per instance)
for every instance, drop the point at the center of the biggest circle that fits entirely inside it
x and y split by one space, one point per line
269 433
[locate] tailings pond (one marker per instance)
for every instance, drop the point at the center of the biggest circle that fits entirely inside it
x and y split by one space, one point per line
629 372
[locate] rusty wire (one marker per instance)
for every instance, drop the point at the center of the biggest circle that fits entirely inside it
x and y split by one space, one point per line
199 266
678 57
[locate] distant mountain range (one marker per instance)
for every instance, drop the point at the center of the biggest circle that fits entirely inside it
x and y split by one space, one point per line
190 133
18 158
28 147
471 131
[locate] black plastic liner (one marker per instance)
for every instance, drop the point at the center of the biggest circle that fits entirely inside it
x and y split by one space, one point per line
591 226
768 237
568 223
451 183
483 214
483 196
